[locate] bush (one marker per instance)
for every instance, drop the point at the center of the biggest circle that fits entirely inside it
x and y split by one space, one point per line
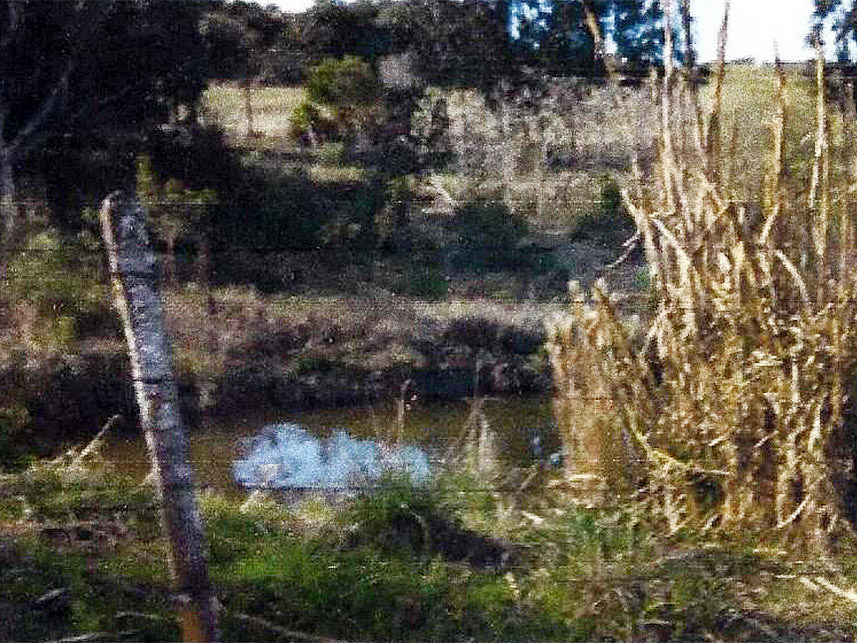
52 278
609 223
331 153
196 155
426 282
488 237
342 84
308 126
392 225
349 89
15 436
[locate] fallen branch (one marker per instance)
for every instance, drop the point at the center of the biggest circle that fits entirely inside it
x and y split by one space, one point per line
847 594
144 615
256 620
85 638
95 443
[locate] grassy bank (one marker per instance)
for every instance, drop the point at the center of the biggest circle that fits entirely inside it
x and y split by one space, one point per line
82 554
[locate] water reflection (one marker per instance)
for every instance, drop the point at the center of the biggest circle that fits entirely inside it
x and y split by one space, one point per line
434 427
287 456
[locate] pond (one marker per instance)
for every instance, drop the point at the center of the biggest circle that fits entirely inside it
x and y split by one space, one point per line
434 426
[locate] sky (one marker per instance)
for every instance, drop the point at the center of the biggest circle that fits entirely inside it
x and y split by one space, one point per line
754 25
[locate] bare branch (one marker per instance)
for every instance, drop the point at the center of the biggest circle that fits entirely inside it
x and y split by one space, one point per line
85 25
24 139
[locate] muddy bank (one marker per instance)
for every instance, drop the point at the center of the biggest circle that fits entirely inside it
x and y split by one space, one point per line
251 351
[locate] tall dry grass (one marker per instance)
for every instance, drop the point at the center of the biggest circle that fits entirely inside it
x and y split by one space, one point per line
721 414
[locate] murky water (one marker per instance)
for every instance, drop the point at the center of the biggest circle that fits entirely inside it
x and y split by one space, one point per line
436 427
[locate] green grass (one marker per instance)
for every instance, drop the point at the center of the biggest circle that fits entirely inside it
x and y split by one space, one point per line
272 108
581 574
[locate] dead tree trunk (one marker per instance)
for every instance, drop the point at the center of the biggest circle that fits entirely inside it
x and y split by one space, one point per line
507 151
132 269
248 108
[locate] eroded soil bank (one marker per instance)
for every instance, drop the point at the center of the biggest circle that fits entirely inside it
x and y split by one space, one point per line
242 351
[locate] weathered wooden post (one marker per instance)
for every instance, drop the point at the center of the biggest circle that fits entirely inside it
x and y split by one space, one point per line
246 87
132 269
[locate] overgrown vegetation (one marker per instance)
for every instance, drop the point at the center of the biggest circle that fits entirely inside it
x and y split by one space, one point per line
465 557
725 410
400 225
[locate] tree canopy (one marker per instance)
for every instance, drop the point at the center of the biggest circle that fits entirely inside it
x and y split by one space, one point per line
452 42
92 70
96 63
842 16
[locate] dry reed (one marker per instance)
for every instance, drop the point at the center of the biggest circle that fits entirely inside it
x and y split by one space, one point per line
722 415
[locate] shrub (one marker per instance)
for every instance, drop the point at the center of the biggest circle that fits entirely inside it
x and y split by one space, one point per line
342 84
609 223
196 155
53 279
331 153
349 89
423 281
488 236
392 224
175 212
15 436
308 126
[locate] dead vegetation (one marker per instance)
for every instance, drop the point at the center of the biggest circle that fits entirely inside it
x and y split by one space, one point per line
724 413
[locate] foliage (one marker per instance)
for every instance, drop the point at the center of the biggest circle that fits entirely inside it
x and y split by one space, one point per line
196 155
610 224
246 42
343 83
97 44
442 37
309 126
91 78
842 14
392 225
724 413
333 29
55 278
347 569
430 125
174 211
445 39
488 236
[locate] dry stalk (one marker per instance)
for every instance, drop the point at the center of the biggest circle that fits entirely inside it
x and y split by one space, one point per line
725 415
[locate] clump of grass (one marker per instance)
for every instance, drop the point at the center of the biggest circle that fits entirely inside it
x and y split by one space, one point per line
722 414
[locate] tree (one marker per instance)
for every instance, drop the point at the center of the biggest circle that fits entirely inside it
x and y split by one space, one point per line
332 29
71 68
843 20
452 43
639 36
244 40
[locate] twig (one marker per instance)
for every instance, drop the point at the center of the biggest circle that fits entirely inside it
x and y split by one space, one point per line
256 620
631 245
96 441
